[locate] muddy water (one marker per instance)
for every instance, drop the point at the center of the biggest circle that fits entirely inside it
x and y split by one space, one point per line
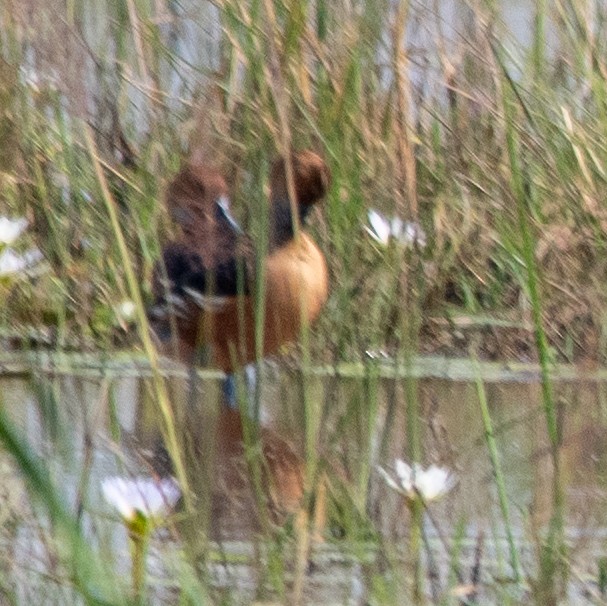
89 427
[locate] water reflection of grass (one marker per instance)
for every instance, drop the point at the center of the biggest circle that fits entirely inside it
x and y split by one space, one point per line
506 175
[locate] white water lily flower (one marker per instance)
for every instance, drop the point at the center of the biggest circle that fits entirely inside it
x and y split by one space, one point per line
384 230
144 496
415 482
14 263
11 229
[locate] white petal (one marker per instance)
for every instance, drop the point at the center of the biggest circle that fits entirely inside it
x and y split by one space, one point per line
396 227
380 228
11 229
114 491
10 262
32 257
404 474
144 495
433 483
13 263
414 481
126 310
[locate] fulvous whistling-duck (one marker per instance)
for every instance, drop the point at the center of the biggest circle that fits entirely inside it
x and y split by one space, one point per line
202 274
204 301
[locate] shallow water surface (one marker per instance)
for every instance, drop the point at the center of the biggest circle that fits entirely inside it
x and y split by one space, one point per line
90 424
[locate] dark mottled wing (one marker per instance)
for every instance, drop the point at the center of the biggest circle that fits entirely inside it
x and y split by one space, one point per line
185 271
204 264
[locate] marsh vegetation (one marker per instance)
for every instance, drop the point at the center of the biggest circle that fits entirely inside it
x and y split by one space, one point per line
481 125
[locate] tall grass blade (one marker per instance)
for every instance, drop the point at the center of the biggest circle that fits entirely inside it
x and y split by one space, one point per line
498 474
89 576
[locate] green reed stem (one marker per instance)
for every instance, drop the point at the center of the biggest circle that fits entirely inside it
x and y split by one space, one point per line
416 507
143 326
411 321
251 425
539 41
139 533
522 188
497 471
